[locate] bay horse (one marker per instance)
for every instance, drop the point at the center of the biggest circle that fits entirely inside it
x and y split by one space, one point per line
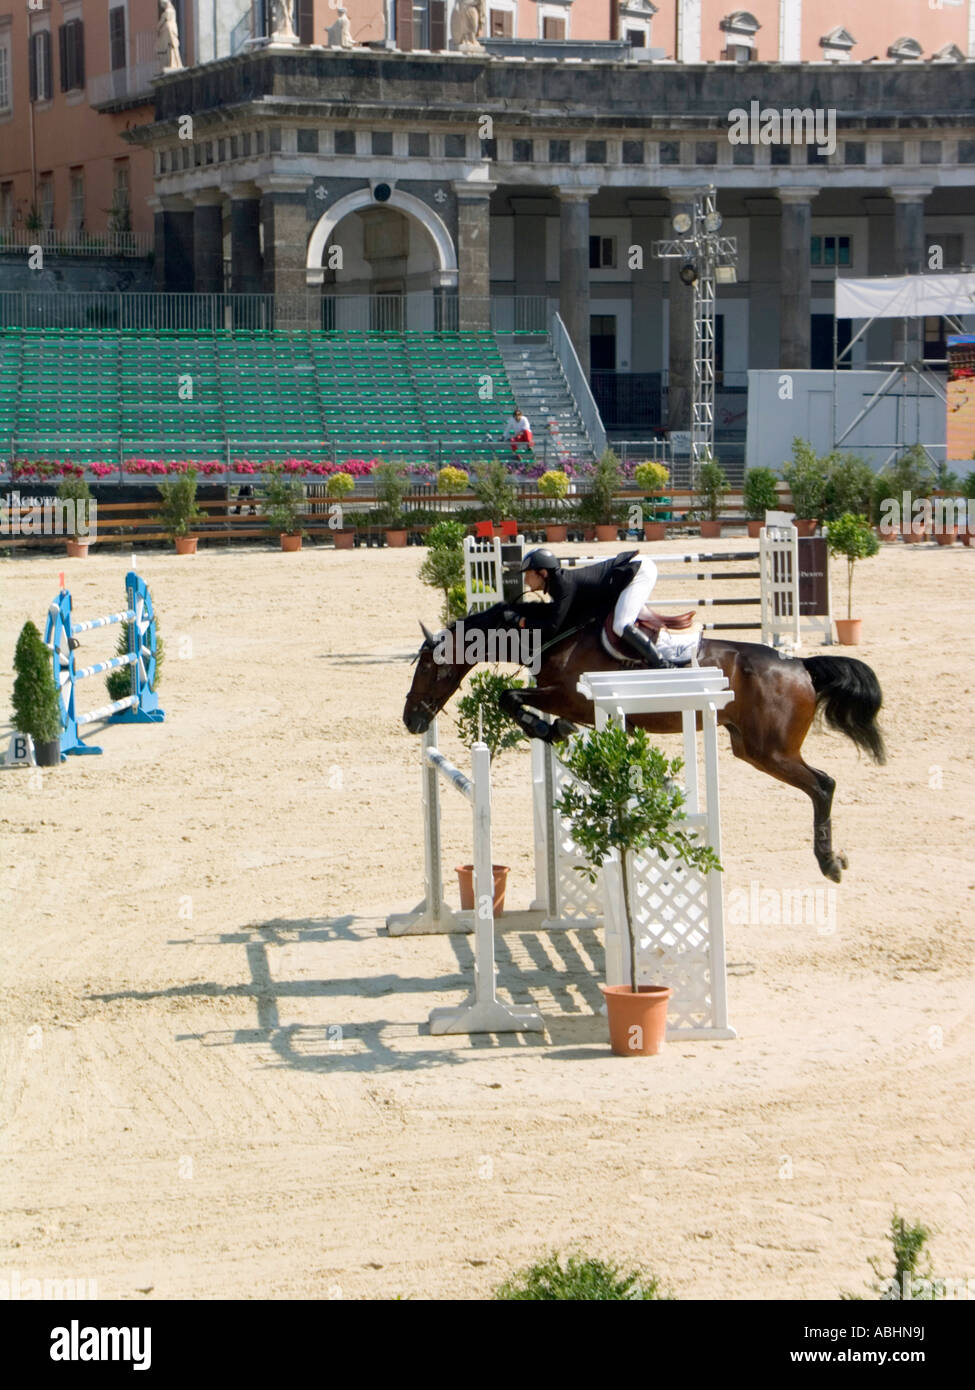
776 700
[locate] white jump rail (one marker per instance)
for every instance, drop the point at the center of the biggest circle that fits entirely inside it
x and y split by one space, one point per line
679 911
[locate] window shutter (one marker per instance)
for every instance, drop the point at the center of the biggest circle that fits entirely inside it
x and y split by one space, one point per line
553 28
116 36
438 25
306 21
63 56
48 67
32 65
404 25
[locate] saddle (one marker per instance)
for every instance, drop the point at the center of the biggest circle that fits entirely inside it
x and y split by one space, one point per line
650 622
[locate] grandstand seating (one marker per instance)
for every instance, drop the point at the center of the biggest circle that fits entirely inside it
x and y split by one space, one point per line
98 394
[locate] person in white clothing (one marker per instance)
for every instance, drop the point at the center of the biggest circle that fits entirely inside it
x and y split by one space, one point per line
518 430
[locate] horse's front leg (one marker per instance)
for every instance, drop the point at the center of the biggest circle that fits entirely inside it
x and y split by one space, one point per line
515 704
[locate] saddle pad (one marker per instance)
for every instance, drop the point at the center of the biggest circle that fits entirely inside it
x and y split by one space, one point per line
678 646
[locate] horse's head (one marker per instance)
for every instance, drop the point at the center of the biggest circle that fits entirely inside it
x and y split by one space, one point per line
438 674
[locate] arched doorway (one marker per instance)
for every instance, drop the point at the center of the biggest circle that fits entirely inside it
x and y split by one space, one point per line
384 265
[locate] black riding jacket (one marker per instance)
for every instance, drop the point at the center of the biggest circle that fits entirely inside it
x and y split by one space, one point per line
579 595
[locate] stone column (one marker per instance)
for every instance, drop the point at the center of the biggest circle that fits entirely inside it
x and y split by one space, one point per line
474 255
173 264
764 278
284 219
246 269
879 338
648 222
680 364
909 259
796 232
208 241
574 268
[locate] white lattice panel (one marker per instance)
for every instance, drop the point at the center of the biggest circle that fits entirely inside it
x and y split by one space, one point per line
577 899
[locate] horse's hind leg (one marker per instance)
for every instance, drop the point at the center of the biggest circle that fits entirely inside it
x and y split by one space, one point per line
789 767
515 704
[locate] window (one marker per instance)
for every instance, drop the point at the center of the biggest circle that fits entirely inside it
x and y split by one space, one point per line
706 152
344 142
522 151
892 152
77 208
836 44
831 250
743 154
120 190
781 154
559 152
40 66
419 144
636 38
821 342
739 53
455 146
117 38
71 43
602 342
304 21
6 205
307 141
382 142
45 198
669 152
632 151
855 152
935 339
966 151
595 151
905 50
6 96
930 151
502 24
740 28
602 253
553 28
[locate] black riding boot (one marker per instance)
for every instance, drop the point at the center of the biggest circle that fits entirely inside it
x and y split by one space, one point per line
641 643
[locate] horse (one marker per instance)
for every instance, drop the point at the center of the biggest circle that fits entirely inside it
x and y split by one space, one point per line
776 700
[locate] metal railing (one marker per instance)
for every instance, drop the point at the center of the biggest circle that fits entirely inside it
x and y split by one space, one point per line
132 81
429 312
76 243
578 385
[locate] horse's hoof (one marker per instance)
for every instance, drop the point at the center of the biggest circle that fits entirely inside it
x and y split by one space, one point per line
834 869
843 862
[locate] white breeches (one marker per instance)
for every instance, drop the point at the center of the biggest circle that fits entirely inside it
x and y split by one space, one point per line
634 596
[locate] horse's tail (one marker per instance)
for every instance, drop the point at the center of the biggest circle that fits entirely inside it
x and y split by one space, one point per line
849 694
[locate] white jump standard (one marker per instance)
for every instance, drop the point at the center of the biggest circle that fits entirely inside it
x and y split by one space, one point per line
679 912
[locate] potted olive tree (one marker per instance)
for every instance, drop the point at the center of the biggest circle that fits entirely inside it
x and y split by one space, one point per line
76 491
284 499
37 709
712 484
555 486
852 537
806 477
480 718
625 799
179 510
850 484
338 486
652 478
443 565
392 485
760 495
599 507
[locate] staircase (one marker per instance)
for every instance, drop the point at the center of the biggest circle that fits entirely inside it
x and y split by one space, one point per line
540 389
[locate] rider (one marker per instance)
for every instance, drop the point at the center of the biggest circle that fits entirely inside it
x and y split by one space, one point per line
578 595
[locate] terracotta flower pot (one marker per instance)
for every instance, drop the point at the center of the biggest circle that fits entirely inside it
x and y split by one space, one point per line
186 545
754 529
710 530
848 631
912 537
948 536
654 531
637 1022
290 542
607 533
343 540
465 882
554 534
888 534
395 538
588 533
77 550
967 536
805 526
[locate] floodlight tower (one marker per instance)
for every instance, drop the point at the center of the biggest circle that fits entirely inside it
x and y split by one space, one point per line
706 259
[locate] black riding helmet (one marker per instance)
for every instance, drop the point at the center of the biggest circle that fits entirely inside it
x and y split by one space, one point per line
540 560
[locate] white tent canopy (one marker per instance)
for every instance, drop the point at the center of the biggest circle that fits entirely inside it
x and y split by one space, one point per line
905 296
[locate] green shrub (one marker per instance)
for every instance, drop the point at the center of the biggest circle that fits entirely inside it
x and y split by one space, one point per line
854 538
179 509
850 484
392 485
760 493
37 710
712 484
580 1279
118 682
554 483
284 502
906 1280
599 506
495 491
443 564
483 693
806 477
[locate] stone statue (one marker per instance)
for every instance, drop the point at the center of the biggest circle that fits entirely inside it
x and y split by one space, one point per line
340 33
466 22
167 38
283 19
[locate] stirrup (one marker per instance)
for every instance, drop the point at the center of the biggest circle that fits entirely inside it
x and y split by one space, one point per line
641 643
